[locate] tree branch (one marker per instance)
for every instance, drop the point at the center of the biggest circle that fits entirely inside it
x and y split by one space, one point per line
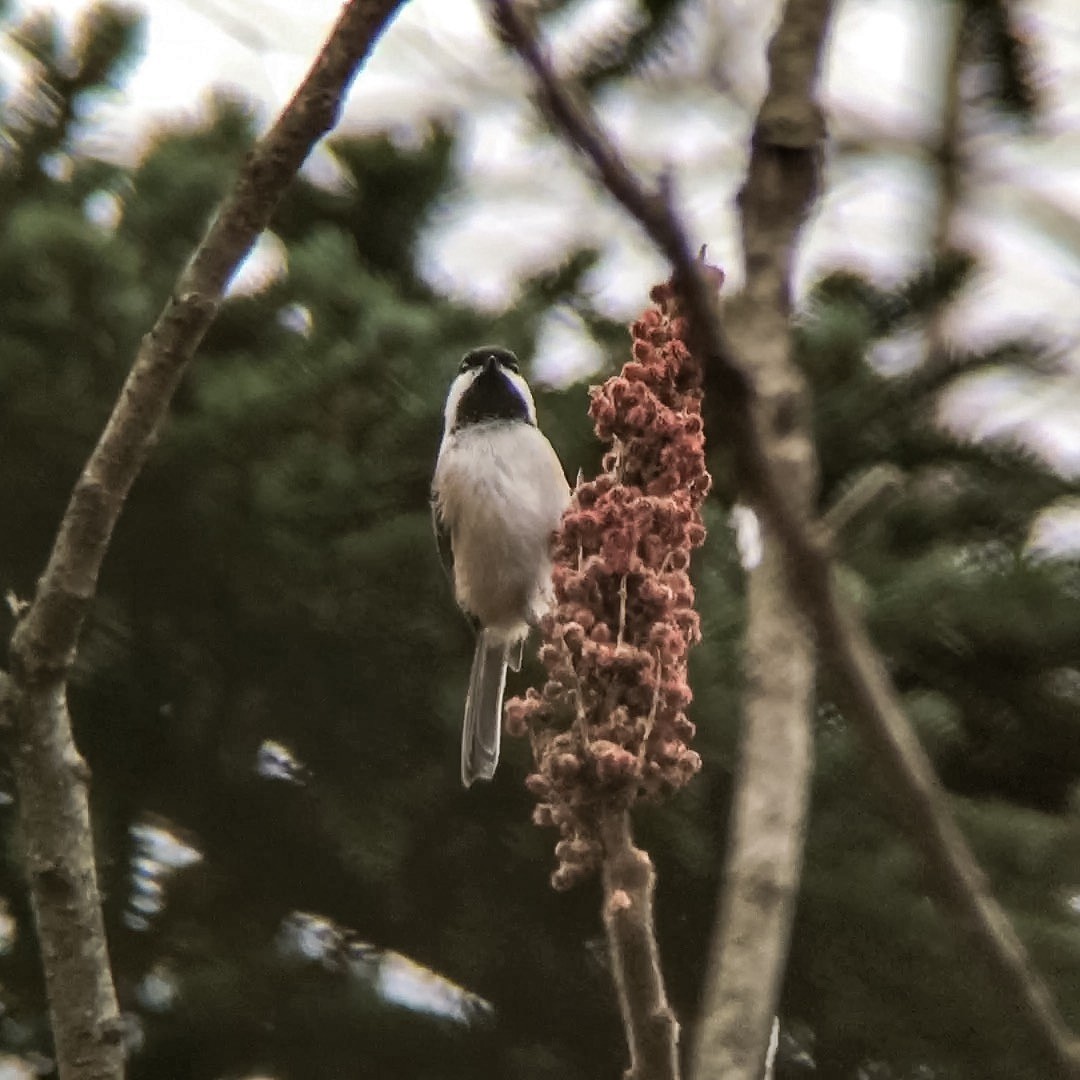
730 391
629 881
948 163
763 863
50 775
868 494
859 672
763 867
949 169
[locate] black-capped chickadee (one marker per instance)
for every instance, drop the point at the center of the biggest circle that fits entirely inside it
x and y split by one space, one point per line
498 494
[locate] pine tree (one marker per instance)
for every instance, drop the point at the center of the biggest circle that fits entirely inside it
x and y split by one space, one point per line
274 578
977 633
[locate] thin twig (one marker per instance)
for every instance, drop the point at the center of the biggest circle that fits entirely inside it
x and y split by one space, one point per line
50 775
650 719
730 389
948 159
629 882
869 493
622 613
949 169
859 672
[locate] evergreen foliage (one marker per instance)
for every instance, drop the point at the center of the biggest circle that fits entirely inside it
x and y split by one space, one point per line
979 635
274 578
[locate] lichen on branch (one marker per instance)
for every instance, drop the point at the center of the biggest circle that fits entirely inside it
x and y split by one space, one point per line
610 724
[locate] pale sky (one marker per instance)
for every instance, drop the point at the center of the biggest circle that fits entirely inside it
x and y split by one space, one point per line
522 201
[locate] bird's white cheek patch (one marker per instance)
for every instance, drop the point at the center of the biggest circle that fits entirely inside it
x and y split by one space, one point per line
522 387
458 387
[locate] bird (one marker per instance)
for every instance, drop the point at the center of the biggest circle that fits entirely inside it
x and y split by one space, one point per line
497 497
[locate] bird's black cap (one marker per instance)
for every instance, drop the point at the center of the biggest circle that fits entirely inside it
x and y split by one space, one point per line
489 354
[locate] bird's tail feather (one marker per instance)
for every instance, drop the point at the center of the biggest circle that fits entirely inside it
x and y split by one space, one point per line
515 653
483 710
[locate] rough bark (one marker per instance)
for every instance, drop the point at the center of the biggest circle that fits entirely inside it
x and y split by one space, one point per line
51 778
629 881
765 844
859 673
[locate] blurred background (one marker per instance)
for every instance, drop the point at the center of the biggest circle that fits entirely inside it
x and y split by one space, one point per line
269 691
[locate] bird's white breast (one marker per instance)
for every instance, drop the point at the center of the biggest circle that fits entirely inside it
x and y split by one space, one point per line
501 491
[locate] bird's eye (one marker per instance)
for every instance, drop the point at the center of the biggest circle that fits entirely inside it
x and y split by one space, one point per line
513 365
464 366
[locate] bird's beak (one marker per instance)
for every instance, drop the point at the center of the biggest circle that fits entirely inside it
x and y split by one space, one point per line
491 365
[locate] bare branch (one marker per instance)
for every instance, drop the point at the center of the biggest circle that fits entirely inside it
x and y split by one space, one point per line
765 846
869 493
949 169
629 881
730 389
47 635
950 144
51 777
750 430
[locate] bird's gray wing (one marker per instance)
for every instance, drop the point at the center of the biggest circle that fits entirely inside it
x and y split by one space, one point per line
442 540
446 556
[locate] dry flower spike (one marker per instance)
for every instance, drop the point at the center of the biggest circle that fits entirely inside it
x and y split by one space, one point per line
610 724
